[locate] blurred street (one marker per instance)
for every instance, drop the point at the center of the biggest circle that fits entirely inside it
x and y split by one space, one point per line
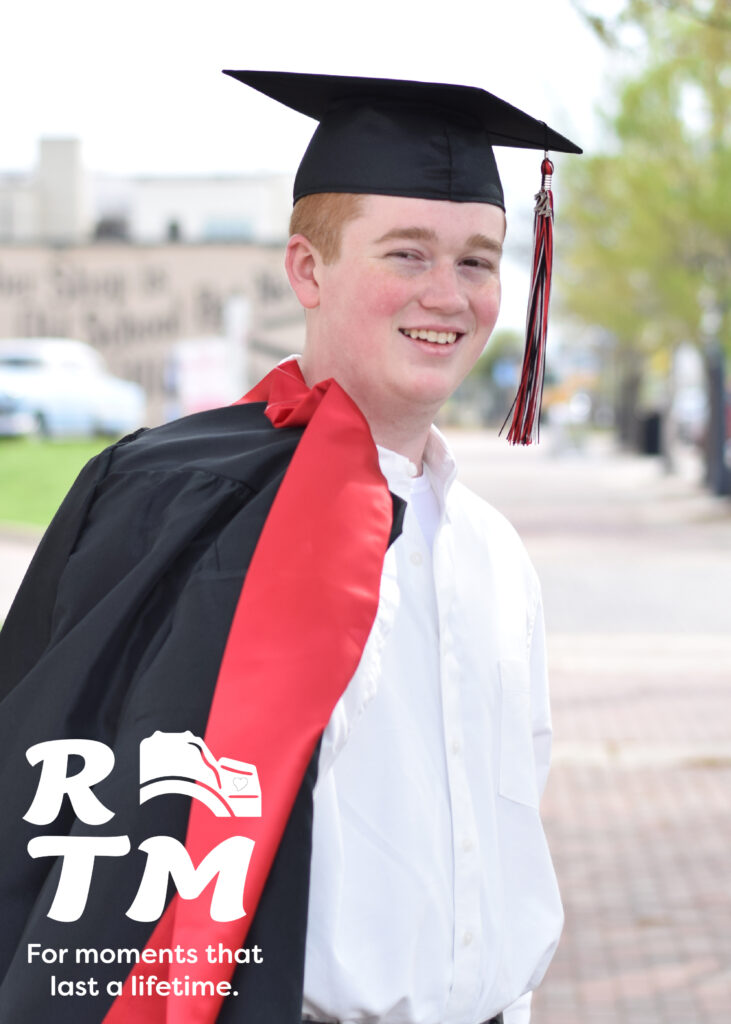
636 573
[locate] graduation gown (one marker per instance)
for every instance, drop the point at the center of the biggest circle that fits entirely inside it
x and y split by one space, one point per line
118 630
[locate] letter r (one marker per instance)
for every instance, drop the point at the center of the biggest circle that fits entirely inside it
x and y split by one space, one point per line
55 781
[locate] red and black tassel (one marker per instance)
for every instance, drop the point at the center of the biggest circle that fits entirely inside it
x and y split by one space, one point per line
526 409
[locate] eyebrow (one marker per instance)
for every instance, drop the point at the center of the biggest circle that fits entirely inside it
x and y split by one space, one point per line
483 242
428 235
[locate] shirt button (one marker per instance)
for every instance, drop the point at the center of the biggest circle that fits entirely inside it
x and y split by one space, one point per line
467 845
456 746
416 558
467 939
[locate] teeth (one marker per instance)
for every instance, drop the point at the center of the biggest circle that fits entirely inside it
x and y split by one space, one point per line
440 337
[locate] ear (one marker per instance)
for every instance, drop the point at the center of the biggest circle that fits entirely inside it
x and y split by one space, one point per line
302 261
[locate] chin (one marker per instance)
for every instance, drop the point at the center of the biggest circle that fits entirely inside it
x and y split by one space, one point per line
433 387
426 400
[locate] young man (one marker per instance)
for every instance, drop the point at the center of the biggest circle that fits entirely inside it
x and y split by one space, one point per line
295 592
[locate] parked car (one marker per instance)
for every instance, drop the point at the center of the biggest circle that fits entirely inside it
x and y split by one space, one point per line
56 387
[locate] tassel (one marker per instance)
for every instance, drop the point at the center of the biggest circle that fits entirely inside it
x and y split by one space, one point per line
526 409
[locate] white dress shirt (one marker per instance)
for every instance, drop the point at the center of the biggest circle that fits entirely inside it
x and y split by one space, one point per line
433 899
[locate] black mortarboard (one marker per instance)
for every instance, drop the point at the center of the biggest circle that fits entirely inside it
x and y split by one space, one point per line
389 137
427 140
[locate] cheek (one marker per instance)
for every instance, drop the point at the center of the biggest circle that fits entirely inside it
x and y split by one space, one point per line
385 295
489 306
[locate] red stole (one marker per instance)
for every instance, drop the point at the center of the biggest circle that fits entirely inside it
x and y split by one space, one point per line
303 616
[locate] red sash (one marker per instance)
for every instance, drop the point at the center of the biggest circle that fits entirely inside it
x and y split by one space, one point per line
302 619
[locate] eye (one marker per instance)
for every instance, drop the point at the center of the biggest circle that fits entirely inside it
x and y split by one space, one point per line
474 262
405 254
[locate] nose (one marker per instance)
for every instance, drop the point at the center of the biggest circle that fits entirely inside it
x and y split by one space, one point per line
443 290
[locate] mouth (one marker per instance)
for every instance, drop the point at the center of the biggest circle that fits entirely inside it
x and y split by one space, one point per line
435 337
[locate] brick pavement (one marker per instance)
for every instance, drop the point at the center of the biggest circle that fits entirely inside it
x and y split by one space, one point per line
638 816
636 571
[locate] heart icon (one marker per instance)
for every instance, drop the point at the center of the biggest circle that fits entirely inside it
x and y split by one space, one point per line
240 782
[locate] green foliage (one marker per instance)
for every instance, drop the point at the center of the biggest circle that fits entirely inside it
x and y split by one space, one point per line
505 343
36 475
646 226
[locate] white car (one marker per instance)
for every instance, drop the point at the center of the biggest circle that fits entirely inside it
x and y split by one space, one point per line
55 387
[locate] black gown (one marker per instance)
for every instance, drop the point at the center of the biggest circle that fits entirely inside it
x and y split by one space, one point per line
118 630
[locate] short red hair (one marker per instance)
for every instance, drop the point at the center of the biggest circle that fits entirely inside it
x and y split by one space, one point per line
321 218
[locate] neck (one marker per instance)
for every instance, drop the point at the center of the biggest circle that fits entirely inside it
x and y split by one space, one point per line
400 428
400 435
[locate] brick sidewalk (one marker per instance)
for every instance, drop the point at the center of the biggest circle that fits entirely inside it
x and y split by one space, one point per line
638 816
636 572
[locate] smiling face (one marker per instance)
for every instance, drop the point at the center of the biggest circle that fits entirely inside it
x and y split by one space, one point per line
400 318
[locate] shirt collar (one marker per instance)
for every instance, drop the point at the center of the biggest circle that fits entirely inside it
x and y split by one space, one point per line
439 464
398 470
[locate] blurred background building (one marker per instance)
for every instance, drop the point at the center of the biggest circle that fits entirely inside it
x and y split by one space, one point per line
176 281
61 203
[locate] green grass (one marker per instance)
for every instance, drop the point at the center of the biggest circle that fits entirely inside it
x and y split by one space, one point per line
36 474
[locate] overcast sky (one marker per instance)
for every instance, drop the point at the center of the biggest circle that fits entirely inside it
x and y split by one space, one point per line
140 82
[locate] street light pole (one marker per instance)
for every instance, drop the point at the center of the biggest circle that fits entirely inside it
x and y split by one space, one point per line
718 475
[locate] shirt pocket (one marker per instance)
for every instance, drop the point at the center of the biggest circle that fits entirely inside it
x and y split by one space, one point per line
517 761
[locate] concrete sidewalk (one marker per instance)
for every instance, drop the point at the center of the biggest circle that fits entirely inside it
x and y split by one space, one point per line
636 572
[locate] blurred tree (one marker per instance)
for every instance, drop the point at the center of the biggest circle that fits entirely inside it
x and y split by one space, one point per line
505 345
492 382
646 225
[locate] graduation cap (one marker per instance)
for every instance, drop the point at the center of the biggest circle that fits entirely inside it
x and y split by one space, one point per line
426 140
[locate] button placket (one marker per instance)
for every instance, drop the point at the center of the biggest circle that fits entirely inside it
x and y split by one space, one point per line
466 864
